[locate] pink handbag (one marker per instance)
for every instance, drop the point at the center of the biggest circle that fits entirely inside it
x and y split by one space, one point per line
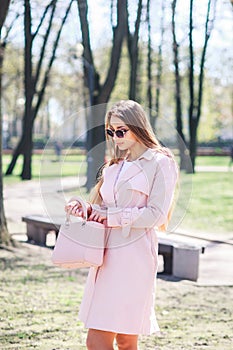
79 244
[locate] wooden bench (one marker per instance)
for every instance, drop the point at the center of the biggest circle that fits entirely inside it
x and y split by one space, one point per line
180 259
39 226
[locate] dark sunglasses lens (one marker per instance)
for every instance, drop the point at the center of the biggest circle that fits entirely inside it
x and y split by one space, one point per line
120 134
110 132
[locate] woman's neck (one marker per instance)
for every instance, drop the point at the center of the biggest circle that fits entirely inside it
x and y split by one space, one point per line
135 152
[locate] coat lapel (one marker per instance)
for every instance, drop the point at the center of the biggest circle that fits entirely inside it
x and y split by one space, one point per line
111 186
133 170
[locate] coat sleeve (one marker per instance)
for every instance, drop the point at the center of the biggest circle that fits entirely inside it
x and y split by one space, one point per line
158 204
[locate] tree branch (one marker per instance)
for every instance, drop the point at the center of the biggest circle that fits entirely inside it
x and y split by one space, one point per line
11 26
191 58
208 29
118 36
53 56
46 36
133 51
149 61
52 3
83 9
160 61
3 13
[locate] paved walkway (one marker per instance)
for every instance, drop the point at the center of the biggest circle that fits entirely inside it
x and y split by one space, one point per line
48 197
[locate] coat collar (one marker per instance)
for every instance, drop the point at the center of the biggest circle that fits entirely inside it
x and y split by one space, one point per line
134 168
148 154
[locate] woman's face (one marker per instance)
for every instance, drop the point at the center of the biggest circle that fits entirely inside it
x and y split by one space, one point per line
129 140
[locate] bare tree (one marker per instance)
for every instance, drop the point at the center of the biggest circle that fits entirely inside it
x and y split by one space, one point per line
149 63
195 98
5 238
35 79
133 51
178 100
160 63
100 93
154 107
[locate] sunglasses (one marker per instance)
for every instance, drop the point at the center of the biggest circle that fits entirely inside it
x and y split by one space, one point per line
119 133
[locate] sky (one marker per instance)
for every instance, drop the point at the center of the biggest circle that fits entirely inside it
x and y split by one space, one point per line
220 44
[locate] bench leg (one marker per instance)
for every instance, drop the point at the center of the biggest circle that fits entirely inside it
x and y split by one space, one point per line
186 262
41 238
36 234
167 263
31 232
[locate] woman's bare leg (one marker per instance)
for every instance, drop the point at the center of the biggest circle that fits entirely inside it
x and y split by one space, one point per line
127 341
97 340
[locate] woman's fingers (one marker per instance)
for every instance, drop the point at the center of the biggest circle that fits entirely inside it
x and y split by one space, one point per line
95 216
74 208
69 206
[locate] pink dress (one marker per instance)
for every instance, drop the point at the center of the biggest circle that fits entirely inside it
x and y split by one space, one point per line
119 296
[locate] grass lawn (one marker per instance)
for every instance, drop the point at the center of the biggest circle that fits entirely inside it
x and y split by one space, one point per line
39 305
213 161
47 166
211 205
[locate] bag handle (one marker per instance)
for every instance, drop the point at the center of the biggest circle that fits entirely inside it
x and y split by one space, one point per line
84 208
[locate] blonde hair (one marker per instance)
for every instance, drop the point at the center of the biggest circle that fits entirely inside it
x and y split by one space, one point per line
133 115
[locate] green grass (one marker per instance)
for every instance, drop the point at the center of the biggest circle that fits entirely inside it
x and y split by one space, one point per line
211 205
47 166
213 161
70 161
39 306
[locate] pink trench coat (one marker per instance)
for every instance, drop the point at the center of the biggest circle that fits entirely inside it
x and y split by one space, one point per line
119 296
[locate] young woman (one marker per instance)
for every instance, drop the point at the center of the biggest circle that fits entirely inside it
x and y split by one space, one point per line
133 198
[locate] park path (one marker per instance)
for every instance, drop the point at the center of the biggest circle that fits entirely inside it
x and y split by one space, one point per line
35 197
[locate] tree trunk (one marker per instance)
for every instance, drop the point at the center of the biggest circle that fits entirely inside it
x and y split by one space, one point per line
32 89
196 101
4 235
160 66
192 122
26 139
133 53
96 144
5 238
149 65
3 12
184 164
99 94
29 92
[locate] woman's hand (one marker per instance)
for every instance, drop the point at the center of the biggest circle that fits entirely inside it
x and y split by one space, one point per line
74 208
98 214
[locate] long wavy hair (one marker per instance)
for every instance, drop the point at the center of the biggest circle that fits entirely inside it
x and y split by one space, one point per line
133 115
